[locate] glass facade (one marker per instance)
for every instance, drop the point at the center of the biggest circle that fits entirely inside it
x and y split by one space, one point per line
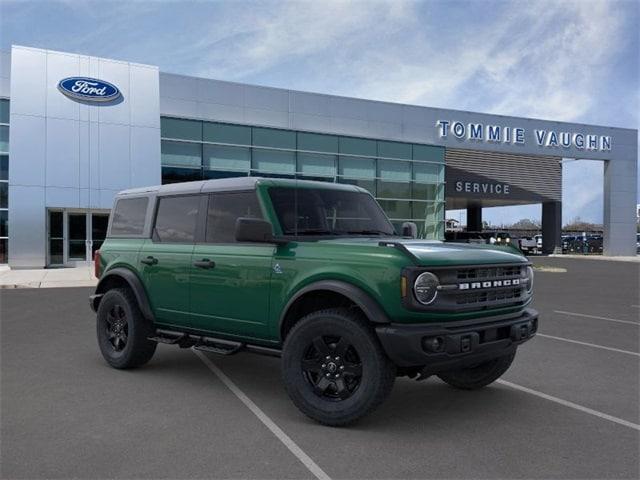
4 180
407 179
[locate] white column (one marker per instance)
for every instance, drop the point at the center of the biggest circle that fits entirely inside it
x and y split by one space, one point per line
620 199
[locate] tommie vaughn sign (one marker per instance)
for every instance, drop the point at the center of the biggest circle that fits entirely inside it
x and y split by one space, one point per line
478 132
88 89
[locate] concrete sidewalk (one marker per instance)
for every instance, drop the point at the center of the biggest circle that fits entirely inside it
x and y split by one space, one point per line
48 278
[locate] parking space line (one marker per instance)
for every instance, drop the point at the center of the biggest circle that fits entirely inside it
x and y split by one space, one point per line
270 424
569 404
596 317
588 344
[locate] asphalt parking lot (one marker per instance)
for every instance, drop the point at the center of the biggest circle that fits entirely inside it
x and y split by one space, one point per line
569 406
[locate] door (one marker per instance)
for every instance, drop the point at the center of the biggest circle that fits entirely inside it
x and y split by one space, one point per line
230 281
77 237
56 238
165 259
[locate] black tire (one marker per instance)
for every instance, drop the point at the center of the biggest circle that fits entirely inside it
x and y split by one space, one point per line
478 376
123 331
344 382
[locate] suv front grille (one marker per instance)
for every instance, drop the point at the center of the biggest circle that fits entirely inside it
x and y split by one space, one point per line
512 294
476 288
513 271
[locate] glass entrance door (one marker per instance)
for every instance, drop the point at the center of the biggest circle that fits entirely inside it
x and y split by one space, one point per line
77 237
74 236
56 238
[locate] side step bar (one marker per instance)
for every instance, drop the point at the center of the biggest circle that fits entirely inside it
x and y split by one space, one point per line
220 346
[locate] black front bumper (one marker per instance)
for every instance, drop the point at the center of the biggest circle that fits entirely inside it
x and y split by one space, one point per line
452 345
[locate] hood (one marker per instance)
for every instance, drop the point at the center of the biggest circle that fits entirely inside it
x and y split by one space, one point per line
437 253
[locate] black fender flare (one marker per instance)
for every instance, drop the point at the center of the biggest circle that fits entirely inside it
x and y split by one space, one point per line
133 281
362 299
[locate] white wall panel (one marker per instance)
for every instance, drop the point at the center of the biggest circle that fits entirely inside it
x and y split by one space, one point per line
118 74
28 81
266 98
115 160
179 87
27 142
84 164
303 121
62 165
93 140
144 97
59 66
223 93
223 113
106 198
62 197
145 157
310 103
178 107
27 241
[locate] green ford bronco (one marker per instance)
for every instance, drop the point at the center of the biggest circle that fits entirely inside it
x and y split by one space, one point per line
312 272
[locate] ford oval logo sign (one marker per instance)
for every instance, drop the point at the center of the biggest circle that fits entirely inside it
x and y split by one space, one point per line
88 89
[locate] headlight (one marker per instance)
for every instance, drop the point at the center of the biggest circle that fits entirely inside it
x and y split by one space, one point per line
529 279
492 240
425 288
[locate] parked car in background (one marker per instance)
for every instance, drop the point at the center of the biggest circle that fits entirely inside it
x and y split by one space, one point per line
486 237
528 245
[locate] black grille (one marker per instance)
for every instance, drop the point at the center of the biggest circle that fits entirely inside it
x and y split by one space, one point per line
489 273
511 294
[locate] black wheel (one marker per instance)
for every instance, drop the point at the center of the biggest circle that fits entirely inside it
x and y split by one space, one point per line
334 368
123 331
478 376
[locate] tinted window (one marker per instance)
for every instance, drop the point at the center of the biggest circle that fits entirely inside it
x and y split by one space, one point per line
128 216
315 211
176 219
225 209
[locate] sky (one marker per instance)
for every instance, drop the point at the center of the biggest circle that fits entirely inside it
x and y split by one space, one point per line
557 60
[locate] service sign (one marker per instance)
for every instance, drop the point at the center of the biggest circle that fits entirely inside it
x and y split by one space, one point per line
88 89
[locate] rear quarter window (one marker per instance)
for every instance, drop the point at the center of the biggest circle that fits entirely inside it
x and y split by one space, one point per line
128 216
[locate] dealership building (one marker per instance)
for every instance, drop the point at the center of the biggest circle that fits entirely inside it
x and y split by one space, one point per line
75 130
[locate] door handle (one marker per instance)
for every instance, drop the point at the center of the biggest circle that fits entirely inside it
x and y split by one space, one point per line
204 263
149 260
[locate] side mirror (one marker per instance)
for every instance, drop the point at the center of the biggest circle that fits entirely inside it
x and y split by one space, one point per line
254 230
409 229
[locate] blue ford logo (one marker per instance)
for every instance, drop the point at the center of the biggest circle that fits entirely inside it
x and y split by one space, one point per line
89 89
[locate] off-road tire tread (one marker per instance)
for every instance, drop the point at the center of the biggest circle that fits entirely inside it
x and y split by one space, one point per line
386 376
142 349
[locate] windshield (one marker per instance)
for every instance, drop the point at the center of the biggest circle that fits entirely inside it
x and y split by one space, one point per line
318 211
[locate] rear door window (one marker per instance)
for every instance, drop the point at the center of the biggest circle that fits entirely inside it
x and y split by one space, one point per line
176 219
128 216
224 210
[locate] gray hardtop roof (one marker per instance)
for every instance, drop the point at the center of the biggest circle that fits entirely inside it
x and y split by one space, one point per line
232 184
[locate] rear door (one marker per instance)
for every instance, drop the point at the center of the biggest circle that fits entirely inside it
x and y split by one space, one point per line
165 259
230 281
